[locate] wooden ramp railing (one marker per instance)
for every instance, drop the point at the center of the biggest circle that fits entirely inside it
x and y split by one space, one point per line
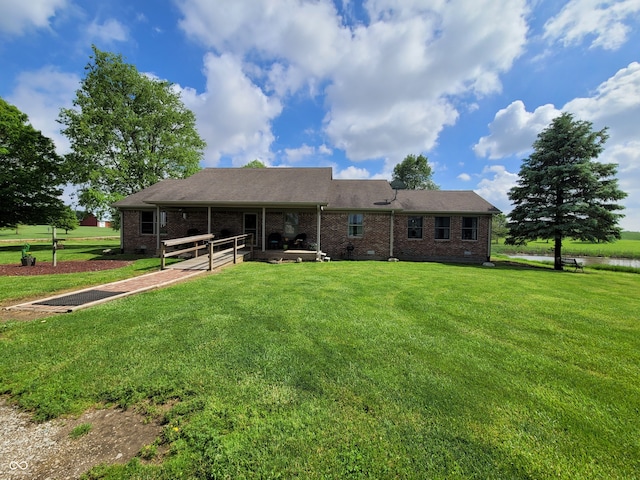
214 248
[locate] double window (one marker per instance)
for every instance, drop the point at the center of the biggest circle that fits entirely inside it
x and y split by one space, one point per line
443 228
469 228
149 222
414 227
356 225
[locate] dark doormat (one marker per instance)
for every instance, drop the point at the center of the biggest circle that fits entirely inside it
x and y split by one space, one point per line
76 299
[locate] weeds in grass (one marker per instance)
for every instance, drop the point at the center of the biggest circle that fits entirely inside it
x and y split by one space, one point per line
80 431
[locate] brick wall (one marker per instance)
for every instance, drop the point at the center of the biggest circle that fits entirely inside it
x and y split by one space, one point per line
373 245
428 248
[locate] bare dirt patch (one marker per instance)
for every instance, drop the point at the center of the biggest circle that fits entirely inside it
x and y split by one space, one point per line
47 268
46 450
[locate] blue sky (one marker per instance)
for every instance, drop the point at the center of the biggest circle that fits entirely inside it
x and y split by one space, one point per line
355 85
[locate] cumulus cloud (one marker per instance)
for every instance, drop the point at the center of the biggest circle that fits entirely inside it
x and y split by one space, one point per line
108 32
352 173
40 94
233 114
465 177
293 155
388 83
603 20
494 187
17 17
514 130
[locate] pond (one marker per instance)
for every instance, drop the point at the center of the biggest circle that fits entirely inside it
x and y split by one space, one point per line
620 262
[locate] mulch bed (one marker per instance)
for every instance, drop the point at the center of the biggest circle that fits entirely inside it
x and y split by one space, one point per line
47 268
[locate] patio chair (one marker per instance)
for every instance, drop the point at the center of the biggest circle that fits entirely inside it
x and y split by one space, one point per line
300 242
274 240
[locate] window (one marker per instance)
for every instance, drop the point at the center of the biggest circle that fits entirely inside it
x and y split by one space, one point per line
443 225
356 228
148 222
290 225
469 228
414 227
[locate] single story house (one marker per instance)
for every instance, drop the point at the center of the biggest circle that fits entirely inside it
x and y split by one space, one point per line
307 208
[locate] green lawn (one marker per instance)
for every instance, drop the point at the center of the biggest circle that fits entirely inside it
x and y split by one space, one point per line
44 232
627 247
356 370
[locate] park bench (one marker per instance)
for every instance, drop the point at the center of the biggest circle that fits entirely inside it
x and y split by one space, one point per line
572 263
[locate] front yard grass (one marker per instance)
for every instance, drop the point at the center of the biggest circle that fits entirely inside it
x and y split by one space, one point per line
356 370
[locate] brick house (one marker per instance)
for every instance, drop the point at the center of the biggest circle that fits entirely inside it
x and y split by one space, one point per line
357 219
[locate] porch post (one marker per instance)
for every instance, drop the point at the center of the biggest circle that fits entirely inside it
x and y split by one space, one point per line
264 226
318 214
157 228
209 219
391 233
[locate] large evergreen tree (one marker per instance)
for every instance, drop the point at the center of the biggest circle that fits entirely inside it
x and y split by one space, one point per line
562 192
127 132
415 173
30 172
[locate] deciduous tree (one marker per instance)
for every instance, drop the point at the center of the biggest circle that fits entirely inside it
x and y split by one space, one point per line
127 132
30 172
415 173
562 192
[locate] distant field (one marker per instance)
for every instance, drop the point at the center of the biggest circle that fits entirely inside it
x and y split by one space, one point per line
627 247
28 232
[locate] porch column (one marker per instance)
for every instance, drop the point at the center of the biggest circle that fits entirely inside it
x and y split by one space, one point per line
264 226
391 234
318 215
209 219
157 228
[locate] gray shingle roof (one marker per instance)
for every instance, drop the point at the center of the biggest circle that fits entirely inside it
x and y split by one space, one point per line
300 187
450 201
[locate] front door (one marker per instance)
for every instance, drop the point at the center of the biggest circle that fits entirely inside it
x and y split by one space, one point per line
251 225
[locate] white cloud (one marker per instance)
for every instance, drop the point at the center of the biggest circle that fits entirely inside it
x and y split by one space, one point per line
615 104
233 114
40 94
465 177
293 155
17 17
352 173
603 20
388 84
109 31
495 188
514 130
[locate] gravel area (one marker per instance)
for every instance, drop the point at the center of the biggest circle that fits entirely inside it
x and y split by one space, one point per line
30 450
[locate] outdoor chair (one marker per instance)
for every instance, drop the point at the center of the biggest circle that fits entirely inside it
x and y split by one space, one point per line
274 240
300 242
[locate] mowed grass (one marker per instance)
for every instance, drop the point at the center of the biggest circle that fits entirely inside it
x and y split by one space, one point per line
44 232
356 370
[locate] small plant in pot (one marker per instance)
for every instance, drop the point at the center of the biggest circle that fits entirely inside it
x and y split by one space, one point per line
27 258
